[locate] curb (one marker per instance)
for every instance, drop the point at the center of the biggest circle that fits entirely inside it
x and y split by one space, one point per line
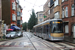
5 40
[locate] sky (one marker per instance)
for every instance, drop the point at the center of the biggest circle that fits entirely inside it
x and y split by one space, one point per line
28 5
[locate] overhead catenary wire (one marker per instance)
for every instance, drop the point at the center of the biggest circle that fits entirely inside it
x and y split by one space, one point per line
34 5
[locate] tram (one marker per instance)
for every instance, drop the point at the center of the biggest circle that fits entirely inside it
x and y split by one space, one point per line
51 29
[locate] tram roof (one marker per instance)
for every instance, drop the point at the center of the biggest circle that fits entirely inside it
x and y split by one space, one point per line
46 22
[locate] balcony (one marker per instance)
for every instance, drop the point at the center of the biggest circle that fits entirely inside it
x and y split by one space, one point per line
57 8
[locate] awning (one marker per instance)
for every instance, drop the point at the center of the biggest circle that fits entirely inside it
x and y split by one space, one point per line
15 27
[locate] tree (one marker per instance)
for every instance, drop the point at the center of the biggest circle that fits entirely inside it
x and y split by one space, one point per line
25 25
32 21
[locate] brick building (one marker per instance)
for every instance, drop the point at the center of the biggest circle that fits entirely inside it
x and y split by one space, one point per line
68 16
9 12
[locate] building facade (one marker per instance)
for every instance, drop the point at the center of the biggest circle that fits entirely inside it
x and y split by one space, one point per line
1 18
49 10
68 16
46 10
19 15
57 9
40 16
9 12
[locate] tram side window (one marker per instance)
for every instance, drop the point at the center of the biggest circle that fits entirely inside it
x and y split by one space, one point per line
44 29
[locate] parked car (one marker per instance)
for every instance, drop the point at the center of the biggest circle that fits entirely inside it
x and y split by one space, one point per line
19 34
11 35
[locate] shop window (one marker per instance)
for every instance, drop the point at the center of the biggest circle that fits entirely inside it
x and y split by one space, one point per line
66 29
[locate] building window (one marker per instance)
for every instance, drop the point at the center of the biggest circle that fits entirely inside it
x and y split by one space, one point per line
72 10
17 1
49 12
18 22
13 17
40 20
40 15
56 3
62 0
56 15
66 11
21 21
18 13
13 6
63 13
49 4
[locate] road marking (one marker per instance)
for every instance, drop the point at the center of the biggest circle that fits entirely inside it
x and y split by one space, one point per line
1 43
43 44
8 43
67 45
35 43
17 43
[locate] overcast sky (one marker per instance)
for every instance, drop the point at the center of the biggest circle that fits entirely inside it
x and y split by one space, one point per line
28 5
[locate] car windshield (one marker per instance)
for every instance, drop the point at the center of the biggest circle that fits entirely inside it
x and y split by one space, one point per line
11 33
19 32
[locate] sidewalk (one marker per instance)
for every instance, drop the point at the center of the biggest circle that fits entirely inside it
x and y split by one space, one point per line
69 39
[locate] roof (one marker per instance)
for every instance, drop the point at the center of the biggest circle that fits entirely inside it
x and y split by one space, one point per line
46 22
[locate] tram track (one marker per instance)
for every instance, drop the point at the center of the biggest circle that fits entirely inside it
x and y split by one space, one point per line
31 42
50 45
66 46
42 42
47 44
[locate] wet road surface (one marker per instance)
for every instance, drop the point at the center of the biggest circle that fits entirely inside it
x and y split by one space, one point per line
31 42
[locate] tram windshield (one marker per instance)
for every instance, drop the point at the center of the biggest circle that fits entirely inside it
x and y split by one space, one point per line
58 28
